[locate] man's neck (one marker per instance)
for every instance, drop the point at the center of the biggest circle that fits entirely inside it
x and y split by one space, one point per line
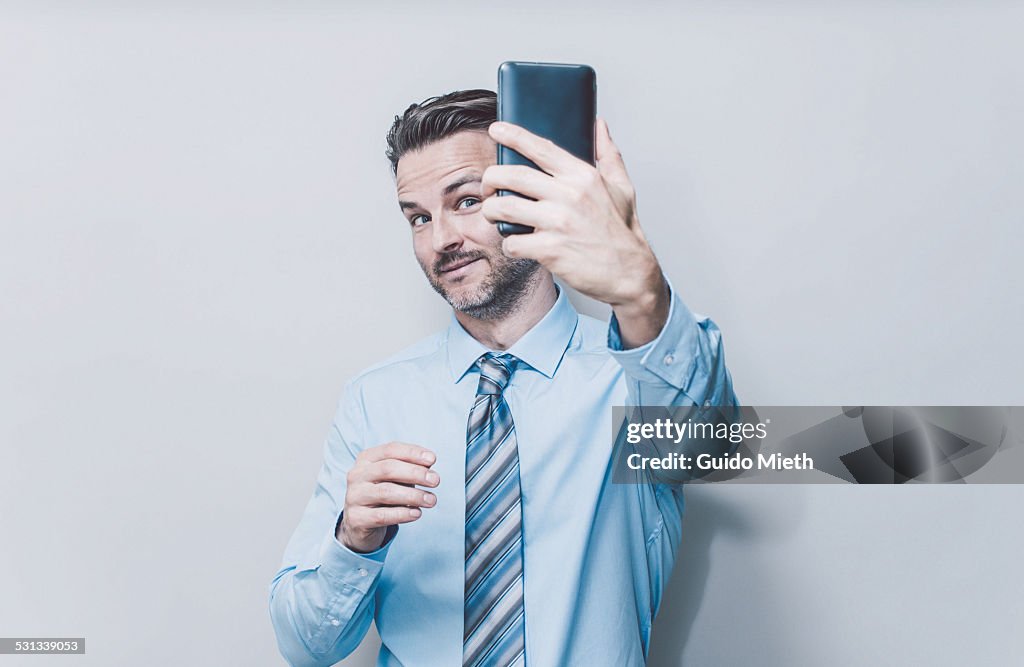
501 334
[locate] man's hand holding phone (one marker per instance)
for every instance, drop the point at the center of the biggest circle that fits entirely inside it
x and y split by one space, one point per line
382 492
586 226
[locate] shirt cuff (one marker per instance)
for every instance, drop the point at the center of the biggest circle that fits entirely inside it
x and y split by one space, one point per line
348 568
671 356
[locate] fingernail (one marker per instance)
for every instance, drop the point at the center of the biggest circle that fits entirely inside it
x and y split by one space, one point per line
428 457
498 127
432 478
414 513
428 499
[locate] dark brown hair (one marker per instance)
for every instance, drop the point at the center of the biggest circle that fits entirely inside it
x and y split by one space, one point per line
436 118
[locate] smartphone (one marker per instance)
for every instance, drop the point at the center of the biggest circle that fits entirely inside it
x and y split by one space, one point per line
553 100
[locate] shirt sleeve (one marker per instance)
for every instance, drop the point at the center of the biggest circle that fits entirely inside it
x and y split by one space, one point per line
321 600
683 365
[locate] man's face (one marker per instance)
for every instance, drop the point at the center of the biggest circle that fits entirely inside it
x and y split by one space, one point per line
459 250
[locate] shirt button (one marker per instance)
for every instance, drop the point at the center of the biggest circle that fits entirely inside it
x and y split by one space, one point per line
707 404
335 622
363 572
669 359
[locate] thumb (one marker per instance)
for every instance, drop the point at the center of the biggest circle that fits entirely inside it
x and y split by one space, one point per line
609 159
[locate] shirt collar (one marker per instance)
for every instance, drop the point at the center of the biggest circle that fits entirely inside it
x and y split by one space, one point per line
542 347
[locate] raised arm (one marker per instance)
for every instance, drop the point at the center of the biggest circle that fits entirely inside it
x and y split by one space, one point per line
588 233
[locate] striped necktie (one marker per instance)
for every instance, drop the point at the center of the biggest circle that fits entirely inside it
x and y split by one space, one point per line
494 633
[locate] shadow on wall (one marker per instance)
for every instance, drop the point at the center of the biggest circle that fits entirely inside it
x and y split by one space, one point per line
739 515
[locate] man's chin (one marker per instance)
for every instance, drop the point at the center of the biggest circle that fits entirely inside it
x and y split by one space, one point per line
466 300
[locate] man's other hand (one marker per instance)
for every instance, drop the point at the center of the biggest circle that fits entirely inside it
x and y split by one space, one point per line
382 492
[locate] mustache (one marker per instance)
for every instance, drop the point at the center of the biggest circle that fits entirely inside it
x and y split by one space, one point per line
448 260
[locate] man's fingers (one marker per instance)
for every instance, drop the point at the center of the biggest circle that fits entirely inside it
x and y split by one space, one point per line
517 209
544 152
393 470
384 494
536 246
520 179
402 451
366 518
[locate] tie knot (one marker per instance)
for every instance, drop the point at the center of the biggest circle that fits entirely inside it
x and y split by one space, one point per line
495 372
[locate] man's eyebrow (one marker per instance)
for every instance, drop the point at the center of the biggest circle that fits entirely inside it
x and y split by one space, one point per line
448 189
452 187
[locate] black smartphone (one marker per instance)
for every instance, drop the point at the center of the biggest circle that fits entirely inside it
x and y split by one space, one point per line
553 100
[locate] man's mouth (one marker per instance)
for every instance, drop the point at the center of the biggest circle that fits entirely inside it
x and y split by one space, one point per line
459 264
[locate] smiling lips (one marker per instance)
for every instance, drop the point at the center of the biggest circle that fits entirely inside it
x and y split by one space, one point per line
458 265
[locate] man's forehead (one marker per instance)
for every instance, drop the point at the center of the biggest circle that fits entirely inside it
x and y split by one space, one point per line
449 160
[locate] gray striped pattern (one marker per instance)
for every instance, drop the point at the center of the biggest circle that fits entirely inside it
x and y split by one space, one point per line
495 632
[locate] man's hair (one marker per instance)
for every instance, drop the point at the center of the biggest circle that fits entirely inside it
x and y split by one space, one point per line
437 118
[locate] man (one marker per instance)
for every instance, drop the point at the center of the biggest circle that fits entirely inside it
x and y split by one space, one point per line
503 542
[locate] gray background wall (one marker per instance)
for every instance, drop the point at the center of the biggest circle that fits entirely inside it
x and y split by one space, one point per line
200 245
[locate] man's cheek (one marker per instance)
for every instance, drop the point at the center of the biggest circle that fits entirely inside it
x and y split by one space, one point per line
484 232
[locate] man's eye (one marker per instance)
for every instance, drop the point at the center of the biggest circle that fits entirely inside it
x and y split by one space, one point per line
468 202
418 220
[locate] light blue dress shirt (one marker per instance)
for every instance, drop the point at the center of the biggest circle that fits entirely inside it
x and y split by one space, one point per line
597 554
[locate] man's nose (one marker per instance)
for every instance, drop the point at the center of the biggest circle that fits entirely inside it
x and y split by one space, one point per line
447 236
